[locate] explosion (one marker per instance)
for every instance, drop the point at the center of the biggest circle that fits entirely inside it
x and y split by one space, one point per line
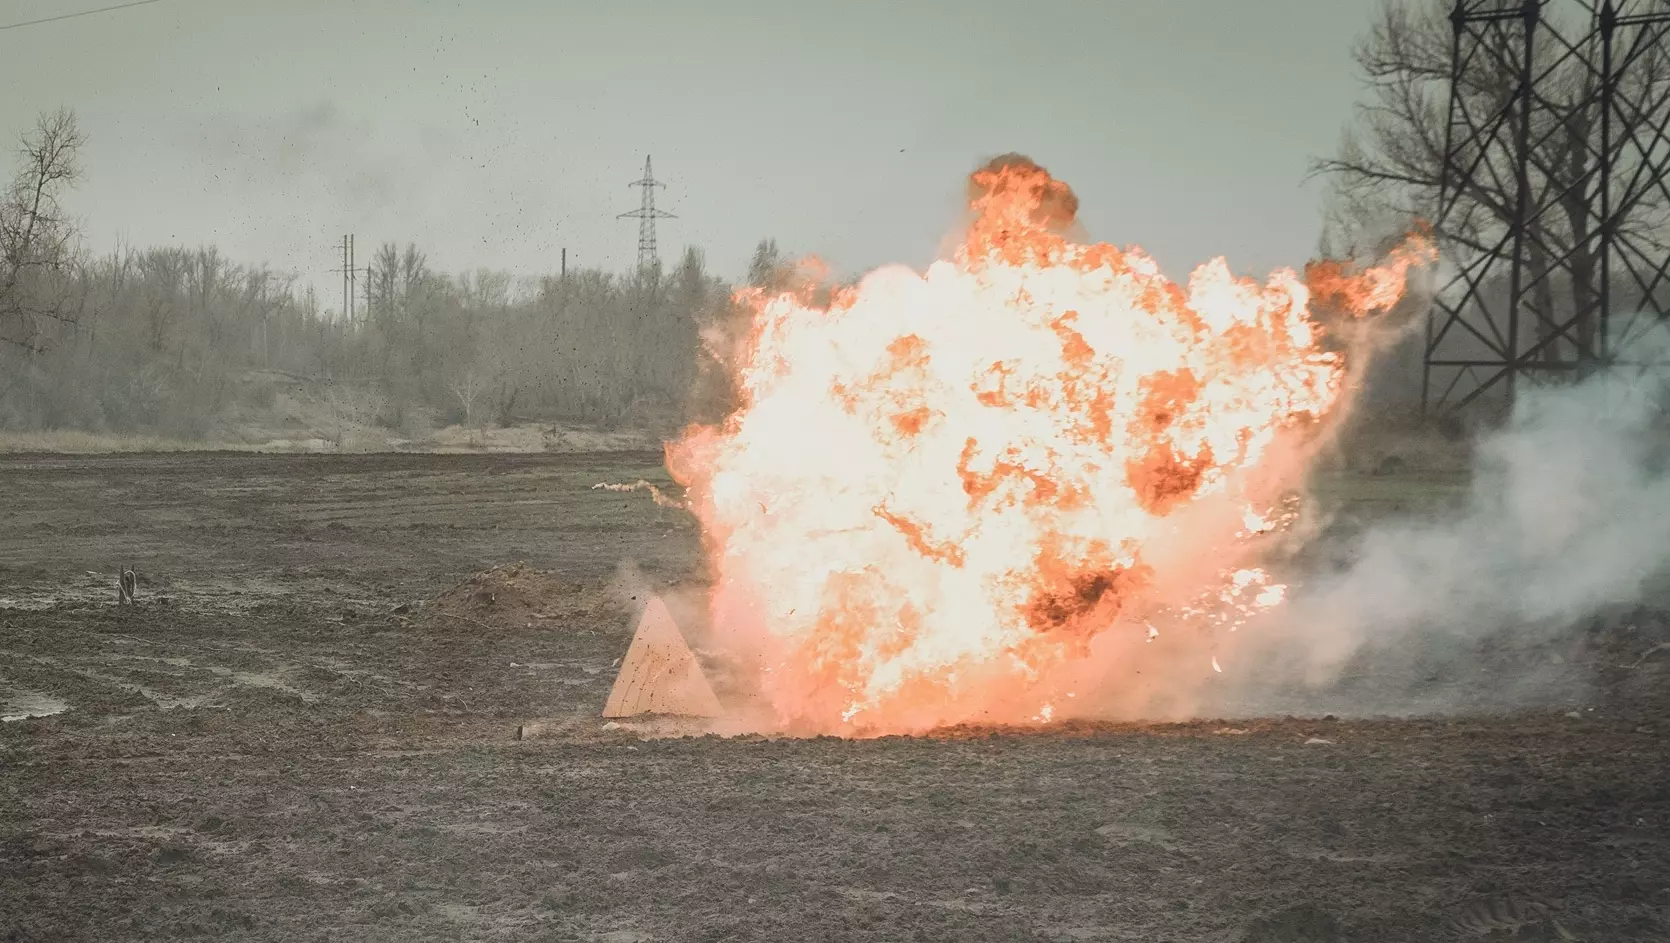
971 494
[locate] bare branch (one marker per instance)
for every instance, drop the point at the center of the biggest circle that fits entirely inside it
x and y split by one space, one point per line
35 233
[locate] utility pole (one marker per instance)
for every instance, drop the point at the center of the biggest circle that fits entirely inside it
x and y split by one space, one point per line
347 278
646 214
368 283
563 272
350 279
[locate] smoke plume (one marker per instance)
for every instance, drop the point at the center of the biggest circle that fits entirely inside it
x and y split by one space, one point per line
1567 514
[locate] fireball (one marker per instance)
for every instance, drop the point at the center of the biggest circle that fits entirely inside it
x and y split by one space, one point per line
961 495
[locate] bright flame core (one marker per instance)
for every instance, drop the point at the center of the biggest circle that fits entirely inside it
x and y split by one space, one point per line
945 495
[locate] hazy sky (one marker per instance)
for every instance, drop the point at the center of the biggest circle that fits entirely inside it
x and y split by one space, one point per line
495 132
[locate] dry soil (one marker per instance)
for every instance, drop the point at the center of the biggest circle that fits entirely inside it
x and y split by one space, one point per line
280 743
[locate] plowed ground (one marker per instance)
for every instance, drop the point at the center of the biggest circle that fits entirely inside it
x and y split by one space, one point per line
278 744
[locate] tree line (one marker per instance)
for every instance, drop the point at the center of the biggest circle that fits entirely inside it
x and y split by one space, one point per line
160 340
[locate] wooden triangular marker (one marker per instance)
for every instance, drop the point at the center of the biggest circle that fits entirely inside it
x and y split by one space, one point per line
659 674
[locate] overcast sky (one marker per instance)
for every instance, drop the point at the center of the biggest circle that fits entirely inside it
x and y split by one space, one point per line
495 132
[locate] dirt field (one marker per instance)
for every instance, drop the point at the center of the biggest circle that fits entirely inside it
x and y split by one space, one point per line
280 744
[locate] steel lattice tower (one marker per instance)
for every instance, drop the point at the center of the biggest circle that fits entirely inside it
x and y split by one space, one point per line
1553 195
646 214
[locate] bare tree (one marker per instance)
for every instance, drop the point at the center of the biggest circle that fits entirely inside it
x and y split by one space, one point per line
469 386
768 269
36 233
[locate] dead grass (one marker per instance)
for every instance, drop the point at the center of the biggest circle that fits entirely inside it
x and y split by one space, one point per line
72 442
531 437
453 439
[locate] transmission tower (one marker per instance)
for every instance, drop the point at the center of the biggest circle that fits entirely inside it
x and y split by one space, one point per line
646 214
1552 191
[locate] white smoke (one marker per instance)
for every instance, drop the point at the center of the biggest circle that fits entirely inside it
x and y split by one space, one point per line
1567 515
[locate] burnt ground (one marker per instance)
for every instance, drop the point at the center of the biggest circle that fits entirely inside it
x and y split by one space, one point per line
277 744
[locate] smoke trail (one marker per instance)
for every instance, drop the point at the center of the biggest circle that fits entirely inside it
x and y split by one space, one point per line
656 494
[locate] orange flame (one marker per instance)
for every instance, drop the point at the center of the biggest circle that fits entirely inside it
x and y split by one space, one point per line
945 494
1375 288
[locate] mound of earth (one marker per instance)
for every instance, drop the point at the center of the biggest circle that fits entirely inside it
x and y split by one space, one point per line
517 596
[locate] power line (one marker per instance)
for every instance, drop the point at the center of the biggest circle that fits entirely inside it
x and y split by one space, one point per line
71 16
